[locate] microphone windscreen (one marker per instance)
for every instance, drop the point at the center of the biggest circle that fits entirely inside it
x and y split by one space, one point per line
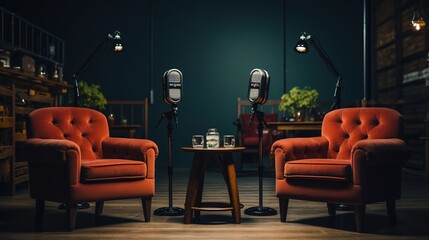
172 86
258 86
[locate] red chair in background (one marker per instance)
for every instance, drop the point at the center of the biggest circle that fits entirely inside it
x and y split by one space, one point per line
247 136
72 159
356 161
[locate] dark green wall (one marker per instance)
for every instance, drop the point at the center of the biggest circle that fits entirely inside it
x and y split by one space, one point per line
214 43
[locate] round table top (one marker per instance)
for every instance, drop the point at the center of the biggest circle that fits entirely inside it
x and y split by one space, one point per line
219 149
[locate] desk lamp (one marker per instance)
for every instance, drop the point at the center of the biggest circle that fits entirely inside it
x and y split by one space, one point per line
302 47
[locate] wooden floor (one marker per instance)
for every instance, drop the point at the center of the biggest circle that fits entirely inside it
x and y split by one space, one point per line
122 219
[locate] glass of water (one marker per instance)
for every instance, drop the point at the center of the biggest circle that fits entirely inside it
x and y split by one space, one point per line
197 141
212 138
229 141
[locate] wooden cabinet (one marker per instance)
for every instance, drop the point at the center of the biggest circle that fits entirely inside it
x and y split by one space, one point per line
20 93
7 129
400 69
128 118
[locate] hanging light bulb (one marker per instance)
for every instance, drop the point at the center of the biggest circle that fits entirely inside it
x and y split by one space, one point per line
418 22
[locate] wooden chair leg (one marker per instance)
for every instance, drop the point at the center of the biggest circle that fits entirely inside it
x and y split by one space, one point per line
391 211
40 209
146 203
71 214
99 208
283 204
331 209
360 218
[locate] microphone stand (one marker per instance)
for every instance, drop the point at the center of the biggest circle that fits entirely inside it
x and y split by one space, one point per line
170 210
260 210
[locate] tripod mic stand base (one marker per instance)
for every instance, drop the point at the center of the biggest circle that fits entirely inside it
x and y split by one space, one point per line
169 211
260 211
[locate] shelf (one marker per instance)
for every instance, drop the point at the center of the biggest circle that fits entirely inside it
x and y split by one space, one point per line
29 78
7 122
6 151
6 91
23 110
21 179
20 137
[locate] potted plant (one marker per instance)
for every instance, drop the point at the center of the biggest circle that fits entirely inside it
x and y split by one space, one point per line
90 96
299 102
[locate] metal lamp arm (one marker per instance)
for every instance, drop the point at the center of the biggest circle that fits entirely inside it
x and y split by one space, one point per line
84 65
90 57
324 56
331 67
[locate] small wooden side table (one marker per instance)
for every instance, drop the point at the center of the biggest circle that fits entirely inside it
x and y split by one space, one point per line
200 162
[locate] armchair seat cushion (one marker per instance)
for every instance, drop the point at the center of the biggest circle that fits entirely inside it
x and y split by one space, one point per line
112 169
319 169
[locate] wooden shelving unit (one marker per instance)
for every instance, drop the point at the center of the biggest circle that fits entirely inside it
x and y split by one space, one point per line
7 128
36 92
400 69
31 64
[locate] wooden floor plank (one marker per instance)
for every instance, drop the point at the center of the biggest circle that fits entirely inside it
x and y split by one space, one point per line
123 219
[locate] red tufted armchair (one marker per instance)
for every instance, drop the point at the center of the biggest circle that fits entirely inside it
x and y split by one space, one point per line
356 161
72 159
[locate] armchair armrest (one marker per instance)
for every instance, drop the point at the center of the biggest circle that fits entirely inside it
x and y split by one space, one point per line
55 152
49 151
297 148
371 152
132 149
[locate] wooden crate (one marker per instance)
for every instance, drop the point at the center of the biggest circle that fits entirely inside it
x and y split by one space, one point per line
386 78
414 92
388 95
413 44
415 112
415 65
385 33
386 56
385 10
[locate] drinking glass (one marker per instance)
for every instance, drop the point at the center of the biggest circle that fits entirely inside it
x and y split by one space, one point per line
229 141
197 141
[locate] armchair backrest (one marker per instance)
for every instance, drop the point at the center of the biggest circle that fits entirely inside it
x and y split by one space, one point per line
344 127
86 127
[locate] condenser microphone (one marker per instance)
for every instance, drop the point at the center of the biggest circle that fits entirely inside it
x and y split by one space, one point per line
258 86
172 86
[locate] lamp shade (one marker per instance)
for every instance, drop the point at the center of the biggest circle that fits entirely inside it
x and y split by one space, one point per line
117 43
301 46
